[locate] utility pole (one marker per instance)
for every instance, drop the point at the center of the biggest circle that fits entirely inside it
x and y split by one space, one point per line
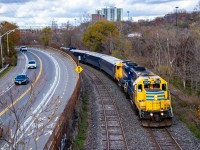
75 22
128 14
1 53
176 15
8 45
8 32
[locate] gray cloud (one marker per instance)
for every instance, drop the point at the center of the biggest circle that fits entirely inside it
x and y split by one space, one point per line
14 1
151 1
160 1
27 12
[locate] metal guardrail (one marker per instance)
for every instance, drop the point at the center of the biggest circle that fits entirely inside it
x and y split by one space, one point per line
61 129
1 70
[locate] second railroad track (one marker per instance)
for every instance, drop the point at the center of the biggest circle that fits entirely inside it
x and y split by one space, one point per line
113 136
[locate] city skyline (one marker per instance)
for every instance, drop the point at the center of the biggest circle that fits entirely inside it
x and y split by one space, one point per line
111 13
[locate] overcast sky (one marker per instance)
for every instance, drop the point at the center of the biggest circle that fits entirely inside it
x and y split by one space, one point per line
27 13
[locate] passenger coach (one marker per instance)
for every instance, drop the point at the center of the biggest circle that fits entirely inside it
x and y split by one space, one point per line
148 92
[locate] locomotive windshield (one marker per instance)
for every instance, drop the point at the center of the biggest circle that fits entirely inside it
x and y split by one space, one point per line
152 87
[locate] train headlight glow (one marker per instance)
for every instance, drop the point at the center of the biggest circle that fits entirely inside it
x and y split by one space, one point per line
151 114
162 113
155 97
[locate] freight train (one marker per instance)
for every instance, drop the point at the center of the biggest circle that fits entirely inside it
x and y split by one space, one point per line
148 92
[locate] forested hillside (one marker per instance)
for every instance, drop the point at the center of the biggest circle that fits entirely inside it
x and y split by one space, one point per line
169 46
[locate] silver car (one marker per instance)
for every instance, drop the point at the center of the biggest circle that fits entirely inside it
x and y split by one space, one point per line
23 48
32 64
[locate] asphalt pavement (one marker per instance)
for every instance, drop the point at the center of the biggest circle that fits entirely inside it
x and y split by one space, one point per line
38 104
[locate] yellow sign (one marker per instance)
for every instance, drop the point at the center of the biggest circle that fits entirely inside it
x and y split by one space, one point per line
79 69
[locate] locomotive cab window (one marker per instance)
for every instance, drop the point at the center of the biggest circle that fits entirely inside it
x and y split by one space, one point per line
140 88
118 67
146 86
156 86
164 87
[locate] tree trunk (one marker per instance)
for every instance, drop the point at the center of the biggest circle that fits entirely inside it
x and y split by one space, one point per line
184 83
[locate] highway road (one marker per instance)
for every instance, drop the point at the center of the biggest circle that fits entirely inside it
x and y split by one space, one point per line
29 112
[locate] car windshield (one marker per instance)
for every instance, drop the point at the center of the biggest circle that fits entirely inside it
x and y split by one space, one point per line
23 46
31 62
21 77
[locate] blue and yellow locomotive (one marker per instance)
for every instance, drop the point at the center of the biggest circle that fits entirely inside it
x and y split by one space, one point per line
148 92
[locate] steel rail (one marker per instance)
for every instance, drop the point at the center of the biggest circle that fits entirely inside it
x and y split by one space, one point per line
100 85
168 138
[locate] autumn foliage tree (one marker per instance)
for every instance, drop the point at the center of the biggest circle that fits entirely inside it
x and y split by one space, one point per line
9 56
101 36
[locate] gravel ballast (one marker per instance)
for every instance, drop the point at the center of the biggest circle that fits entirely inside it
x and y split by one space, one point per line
136 135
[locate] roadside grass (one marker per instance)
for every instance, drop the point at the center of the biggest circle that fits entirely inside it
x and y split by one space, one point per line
6 71
186 114
195 130
181 117
13 63
79 141
186 109
189 91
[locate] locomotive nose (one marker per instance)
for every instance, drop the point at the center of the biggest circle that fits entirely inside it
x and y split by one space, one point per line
157 117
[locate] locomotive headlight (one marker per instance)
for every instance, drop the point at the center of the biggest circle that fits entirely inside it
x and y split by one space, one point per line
155 97
151 114
162 113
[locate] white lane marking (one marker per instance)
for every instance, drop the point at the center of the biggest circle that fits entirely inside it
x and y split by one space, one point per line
23 72
29 121
25 67
48 132
56 118
67 76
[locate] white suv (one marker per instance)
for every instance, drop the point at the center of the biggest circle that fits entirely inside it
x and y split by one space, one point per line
32 64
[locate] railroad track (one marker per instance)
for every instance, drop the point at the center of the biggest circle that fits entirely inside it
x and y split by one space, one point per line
163 139
113 136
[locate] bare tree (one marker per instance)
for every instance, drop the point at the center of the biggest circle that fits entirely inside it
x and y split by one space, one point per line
85 18
23 125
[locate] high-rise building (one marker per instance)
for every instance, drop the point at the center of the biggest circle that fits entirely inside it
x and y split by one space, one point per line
111 13
97 17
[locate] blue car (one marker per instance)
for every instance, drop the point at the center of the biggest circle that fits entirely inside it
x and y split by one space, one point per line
21 79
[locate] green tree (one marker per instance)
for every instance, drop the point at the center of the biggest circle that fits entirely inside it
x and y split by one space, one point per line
101 36
46 36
